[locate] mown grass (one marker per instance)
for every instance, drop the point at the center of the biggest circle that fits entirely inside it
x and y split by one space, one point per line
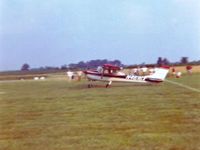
56 115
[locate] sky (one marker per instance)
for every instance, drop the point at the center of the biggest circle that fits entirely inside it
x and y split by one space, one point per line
58 32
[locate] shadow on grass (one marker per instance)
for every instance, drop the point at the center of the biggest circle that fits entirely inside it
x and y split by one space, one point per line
115 85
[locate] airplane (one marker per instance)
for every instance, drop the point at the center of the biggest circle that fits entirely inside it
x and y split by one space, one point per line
111 73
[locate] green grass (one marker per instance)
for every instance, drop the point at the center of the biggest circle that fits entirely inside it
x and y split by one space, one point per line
56 114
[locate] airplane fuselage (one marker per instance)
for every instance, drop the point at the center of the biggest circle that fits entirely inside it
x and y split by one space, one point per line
120 78
109 73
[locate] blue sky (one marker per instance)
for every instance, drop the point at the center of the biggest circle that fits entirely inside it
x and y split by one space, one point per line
57 32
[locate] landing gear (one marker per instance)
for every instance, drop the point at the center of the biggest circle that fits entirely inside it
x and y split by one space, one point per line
107 85
89 85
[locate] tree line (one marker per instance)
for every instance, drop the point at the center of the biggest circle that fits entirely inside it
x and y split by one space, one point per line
79 65
99 62
183 61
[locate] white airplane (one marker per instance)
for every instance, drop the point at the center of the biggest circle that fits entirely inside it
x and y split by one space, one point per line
110 73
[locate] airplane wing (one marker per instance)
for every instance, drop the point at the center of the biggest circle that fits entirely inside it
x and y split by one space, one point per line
111 67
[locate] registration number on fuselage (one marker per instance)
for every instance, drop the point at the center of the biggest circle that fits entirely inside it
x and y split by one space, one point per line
132 77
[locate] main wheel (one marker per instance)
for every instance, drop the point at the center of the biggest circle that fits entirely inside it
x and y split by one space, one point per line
107 85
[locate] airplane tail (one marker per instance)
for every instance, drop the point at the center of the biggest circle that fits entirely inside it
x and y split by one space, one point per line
159 75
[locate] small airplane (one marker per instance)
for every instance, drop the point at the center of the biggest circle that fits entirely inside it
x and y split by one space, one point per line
111 73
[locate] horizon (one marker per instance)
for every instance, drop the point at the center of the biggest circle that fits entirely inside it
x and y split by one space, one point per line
127 65
55 33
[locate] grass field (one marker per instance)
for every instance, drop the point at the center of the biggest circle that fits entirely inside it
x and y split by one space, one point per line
61 115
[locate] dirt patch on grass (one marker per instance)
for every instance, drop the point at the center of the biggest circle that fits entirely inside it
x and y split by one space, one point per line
19 134
29 115
195 69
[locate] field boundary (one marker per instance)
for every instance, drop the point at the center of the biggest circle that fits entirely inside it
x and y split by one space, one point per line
182 85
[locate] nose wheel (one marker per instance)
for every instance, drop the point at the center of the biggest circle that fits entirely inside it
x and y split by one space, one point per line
107 85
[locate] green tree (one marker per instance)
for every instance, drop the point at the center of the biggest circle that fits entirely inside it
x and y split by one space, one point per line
25 67
184 60
160 61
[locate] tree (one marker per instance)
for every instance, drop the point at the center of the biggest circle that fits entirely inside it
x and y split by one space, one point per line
72 65
117 62
184 60
165 61
159 61
81 64
63 67
25 67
